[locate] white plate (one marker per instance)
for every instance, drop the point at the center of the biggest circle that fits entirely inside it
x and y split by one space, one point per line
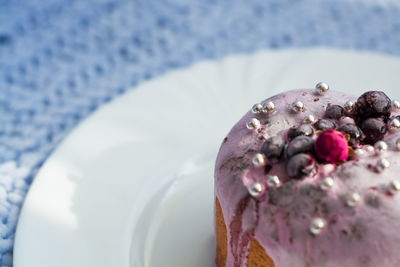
133 184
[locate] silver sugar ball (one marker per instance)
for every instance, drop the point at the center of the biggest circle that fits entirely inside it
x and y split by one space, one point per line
359 152
309 119
396 104
297 106
256 189
349 106
394 124
257 108
259 160
273 181
269 107
380 147
369 148
253 124
326 183
322 88
353 199
394 187
317 225
382 164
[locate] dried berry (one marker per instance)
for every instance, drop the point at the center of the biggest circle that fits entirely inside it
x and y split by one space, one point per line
301 165
300 144
353 131
331 146
374 129
304 129
373 104
324 124
273 148
334 112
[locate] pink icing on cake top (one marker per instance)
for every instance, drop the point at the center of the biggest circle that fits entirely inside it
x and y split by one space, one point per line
361 219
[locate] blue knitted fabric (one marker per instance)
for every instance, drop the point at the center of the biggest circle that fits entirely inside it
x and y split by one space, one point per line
60 60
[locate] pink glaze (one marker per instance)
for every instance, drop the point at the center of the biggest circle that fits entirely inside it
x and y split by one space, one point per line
362 236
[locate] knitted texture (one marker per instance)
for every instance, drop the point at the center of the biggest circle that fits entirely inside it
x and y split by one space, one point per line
60 60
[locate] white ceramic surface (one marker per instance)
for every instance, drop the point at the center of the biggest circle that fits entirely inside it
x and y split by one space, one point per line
132 185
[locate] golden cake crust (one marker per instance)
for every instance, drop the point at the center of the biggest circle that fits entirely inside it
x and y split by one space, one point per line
256 257
220 231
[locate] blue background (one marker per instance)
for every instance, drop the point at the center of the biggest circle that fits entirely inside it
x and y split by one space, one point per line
61 60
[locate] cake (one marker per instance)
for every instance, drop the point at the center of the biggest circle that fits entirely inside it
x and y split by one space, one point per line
310 178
